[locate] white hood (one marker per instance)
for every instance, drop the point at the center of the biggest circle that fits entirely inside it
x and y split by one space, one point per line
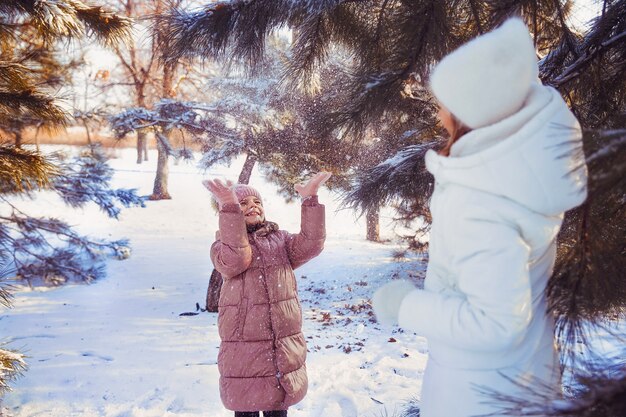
533 157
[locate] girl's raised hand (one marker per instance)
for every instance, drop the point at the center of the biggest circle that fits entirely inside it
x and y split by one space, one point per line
223 193
311 186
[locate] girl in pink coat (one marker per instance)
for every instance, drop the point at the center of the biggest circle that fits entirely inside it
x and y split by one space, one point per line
263 351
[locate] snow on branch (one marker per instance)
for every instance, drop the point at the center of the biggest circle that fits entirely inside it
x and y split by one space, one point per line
86 179
197 118
12 365
222 151
403 175
218 126
131 120
48 250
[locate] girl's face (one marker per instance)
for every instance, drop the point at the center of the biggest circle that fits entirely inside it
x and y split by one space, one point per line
446 119
252 208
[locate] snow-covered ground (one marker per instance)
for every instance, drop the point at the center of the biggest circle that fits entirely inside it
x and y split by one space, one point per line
119 347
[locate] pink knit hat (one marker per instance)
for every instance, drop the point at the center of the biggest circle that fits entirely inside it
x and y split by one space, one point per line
243 190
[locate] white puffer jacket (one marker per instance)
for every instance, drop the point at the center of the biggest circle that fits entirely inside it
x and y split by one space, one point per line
497 208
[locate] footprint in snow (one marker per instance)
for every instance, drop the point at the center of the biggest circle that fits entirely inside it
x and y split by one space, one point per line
331 402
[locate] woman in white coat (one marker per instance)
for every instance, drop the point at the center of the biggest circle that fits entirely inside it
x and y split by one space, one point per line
512 167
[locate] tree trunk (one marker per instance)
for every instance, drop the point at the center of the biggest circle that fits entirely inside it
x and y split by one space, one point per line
145 148
88 134
373 225
142 136
141 145
246 171
159 191
213 293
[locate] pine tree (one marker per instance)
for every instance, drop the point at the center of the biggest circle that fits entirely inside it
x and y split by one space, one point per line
27 24
395 43
30 31
47 65
307 149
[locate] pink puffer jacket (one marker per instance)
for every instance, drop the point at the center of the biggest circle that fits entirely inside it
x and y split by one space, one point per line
262 354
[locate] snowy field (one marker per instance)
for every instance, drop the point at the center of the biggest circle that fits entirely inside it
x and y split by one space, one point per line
119 347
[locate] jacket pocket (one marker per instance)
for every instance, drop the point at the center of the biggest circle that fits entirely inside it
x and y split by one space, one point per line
242 313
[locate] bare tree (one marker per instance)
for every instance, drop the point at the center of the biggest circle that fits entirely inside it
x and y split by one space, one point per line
139 63
148 80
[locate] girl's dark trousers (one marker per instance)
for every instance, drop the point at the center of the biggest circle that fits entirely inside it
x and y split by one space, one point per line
277 413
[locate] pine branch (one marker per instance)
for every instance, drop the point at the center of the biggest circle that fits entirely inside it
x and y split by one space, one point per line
220 152
371 96
69 19
24 81
411 40
31 104
14 75
309 49
598 389
109 28
26 241
5 296
49 249
199 119
24 170
607 36
586 288
55 19
606 164
241 25
204 33
12 365
5 271
86 179
402 176
585 291
131 120
11 362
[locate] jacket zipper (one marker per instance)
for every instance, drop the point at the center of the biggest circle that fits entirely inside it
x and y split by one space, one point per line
274 347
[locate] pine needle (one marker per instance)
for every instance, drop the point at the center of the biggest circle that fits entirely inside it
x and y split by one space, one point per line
23 170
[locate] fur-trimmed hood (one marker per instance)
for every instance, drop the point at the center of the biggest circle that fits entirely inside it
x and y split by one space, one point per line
533 157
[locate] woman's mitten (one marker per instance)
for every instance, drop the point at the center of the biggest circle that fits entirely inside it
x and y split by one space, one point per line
387 300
